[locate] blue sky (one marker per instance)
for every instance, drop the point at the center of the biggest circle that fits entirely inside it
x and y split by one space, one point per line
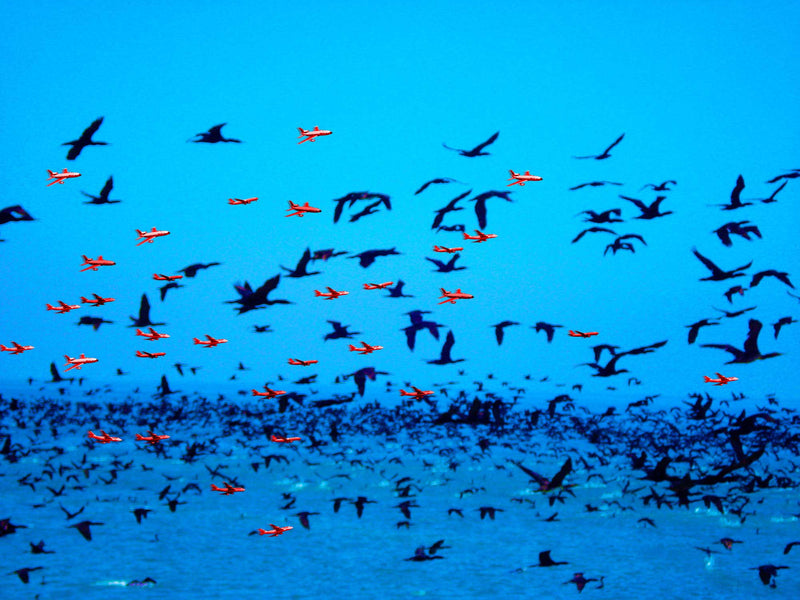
703 92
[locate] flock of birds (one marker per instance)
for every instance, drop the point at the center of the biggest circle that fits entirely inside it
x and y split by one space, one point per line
735 442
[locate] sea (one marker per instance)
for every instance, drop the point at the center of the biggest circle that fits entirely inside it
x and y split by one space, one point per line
612 521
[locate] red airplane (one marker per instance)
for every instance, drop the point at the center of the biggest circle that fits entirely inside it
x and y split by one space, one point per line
270 393
61 177
15 349
77 363
94 263
451 297
235 201
153 335
152 439
148 237
143 354
302 363
275 531
103 439
479 237
580 334
365 348
377 286
301 210
62 307
97 300
311 135
330 294
210 342
446 249
721 381
417 394
284 440
522 178
227 490
159 277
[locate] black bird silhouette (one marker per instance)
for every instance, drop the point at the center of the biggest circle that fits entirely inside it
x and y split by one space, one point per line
103 197
772 199
354 197
480 204
84 528
360 502
605 154
366 258
735 201
499 330
767 573
450 207
368 210
14 213
449 266
339 332
303 515
593 184
757 277
396 291
417 323
192 270
421 556
548 328
694 328
141 513
143 320
603 217
546 561
476 151
718 274
251 300
618 244
545 484
39 548
792 174
212 136
444 356
593 230
737 228
23 574
301 270
95 322
164 390
789 546
649 211
437 180
734 314
172 285
84 140
488 510
661 187
750 353
458 227
780 323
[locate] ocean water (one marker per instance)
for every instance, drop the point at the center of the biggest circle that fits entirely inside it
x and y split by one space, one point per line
203 549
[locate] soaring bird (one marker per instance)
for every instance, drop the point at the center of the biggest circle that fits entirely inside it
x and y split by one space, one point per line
735 201
476 151
548 328
437 180
718 274
444 356
499 330
103 197
192 270
694 328
301 270
251 300
84 140
450 207
605 154
737 228
779 275
449 266
750 353
593 184
603 217
480 204
143 320
366 258
212 136
649 211
661 187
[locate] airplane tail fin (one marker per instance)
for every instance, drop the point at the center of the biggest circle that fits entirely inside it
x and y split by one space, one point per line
300 129
317 293
84 300
466 236
513 175
50 307
196 341
352 347
140 233
139 437
3 348
51 173
444 291
85 259
706 378
67 358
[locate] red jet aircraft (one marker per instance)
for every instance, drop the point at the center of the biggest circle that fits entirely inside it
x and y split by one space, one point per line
61 177
235 201
94 263
227 490
451 297
275 531
446 249
159 277
143 354
97 300
284 440
302 363
103 439
581 334
311 135
62 307
721 381
330 294
522 178
148 237
417 394
153 335
77 363
15 349
210 342
152 439
270 393
479 237
300 211
365 348
377 286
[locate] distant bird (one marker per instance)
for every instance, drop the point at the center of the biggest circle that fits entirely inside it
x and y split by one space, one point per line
366 258
735 313
694 328
735 201
212 136
792 174
750 353
421 556
661 187
580 581
84 140
480 204
736 289
23 574
499 330
593 184
603 217
768 573
789 546
397 290
450 207
301 270
192 270
605 154
548 328
488 510
432 181
592 230
780 276
476 151
546 561
449 266
718 274
444 356
95 322
103 197
771 198
737 228
143 320
84 528
251 300
340 332
418 323
141 513
304 518
649 211
169 286
618 244
11 214
780 323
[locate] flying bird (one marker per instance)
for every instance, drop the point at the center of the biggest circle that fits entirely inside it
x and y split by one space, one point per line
103 197
212 136
718 274
750 352
605 154
84 140
477 150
